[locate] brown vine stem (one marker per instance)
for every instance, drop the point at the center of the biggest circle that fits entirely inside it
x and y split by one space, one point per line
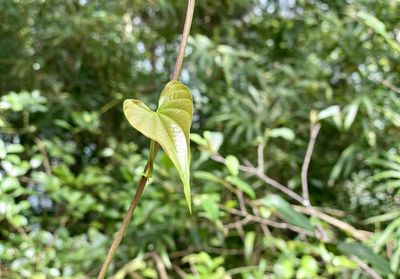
122 229
184 39
306 163
143 180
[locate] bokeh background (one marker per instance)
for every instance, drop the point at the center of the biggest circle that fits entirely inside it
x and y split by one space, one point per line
263 74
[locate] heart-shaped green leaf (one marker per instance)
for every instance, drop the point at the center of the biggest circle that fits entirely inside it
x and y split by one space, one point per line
169 126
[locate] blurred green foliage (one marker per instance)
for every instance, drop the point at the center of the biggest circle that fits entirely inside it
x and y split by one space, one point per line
262 73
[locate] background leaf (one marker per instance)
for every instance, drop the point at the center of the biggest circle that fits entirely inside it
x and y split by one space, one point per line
287 212
366 253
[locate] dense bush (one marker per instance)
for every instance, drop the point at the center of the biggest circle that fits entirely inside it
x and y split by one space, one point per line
269 78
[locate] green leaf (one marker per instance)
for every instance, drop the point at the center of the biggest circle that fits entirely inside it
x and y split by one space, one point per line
366 253
308 267
352 110
206 176
386 174
15 148
169 126
18 220
284 268
287 212
243 186
395 260
249 245
345 159
196 138
384 237
232 164
309 263
283 132
379 27
373 22
210 206
383 218
214 140
328 112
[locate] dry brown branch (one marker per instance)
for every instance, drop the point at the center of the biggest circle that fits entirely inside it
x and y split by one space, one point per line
304 173
260 156
386 84
162 272
358 234
263 177
314 211
306 163
42 150
264 227
179 271
234 225
368 270
242 204
260 220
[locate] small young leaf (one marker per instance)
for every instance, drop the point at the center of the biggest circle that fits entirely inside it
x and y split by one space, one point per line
282 132
232 164
196 138
241 185
328 112
169 126
214 140
210 206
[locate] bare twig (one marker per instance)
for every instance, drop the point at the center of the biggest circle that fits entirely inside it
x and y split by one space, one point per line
279 186
242 203
236 224
23 233
331 211
42 150
260 156
306 163
304 173
127 267
160 266
263 177
314 211
368 270
26 179
179 271
264 227
266 221
385 83
358 234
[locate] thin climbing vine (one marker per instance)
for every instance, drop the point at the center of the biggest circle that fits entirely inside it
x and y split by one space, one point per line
169 127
